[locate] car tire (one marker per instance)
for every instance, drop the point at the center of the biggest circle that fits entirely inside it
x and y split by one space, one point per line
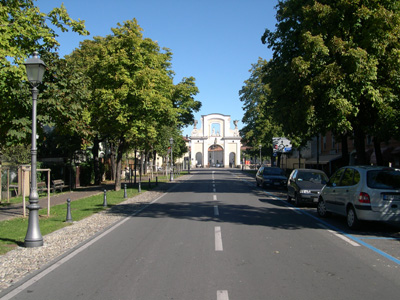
288 198
352 220
257 183
321 209
297 199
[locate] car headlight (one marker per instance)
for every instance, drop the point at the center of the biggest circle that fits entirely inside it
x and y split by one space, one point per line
305 192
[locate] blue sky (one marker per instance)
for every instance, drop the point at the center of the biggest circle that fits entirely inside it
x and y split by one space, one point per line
215 41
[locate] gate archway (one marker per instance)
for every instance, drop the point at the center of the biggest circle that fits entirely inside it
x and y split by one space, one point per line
215 141
232 157
216 156
199 159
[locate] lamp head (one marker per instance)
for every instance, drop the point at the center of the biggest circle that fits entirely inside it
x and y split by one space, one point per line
35 69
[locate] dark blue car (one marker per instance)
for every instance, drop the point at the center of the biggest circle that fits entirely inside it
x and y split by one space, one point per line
271 177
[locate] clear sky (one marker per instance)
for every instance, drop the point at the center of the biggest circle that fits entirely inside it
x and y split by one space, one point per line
215 41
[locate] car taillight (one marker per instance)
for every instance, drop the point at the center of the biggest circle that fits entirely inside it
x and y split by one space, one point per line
364 198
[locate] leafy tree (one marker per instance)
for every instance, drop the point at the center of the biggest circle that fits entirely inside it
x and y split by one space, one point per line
260 123
132 95
336 67
64 103
183 101
23 30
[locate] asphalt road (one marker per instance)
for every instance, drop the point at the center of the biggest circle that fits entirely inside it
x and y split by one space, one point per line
218 236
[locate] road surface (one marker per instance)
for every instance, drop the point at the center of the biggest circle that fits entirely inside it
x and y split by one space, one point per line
218 236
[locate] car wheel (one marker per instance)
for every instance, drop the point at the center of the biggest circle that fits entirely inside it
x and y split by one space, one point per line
352 220
297 199
321 209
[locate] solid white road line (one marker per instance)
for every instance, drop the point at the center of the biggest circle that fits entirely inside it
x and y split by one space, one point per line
218 239
222 295
216 211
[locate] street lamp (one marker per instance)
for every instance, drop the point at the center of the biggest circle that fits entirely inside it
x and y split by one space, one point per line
190 155
35 68
260 153
171 175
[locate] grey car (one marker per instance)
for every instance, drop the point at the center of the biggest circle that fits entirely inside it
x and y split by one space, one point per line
304 185
362 193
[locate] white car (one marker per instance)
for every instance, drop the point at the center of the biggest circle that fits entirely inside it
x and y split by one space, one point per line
362 193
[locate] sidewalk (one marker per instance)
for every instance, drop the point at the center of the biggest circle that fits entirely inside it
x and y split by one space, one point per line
16 210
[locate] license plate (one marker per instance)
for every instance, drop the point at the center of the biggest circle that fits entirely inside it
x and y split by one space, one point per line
391 197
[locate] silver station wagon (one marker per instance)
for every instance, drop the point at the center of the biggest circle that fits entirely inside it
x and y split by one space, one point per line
362 193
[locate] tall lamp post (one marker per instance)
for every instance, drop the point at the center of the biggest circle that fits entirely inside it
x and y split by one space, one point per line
171 175
260 154
35 68
190 155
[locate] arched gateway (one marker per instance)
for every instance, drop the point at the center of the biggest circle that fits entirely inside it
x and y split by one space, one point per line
214 143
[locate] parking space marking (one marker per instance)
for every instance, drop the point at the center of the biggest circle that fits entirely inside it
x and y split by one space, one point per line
342 233
295 209
378 238
339 235
218 238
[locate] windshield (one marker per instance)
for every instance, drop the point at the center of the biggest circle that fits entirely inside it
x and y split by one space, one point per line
273 171
384 179
315 177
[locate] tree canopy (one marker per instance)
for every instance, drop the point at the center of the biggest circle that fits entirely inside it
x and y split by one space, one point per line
132 95
336 67
23 30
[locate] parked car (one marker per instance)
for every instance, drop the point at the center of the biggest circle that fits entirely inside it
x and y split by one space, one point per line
362 193
271 177
304 185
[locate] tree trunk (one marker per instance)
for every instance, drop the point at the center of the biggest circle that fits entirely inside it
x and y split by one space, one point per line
359 142
154 161
120 153
378 152
112 161
345 150
135 165
146 159
96 162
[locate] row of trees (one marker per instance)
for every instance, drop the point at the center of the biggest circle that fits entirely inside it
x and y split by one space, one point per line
335 67
118 88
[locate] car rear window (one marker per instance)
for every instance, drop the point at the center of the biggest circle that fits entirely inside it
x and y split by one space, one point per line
273 171
384 179
315 177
